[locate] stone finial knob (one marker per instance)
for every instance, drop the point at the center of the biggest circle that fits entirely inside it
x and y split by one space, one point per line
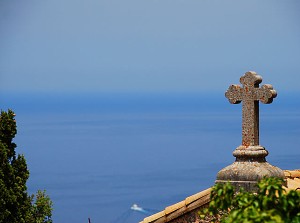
267 94
234 94
251 78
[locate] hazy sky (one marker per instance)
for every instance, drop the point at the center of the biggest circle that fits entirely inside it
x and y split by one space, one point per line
147 45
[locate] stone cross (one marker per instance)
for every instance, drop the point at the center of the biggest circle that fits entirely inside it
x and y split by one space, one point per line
250 94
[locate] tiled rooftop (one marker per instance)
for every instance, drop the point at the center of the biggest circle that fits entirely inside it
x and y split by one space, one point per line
200 199
293 179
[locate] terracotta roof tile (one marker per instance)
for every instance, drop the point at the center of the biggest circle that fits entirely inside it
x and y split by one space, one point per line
292 173
174 207
173 211
154 217
197 196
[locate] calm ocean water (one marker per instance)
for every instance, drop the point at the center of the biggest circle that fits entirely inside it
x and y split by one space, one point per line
97 155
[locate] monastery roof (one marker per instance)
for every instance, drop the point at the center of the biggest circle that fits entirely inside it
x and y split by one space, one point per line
200 199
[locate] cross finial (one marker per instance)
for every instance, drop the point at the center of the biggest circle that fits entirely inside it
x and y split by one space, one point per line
250 94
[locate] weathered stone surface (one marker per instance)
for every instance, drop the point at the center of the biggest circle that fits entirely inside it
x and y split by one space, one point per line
250 94
250 164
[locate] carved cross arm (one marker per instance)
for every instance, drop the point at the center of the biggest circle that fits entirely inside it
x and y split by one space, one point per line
234 94
266 94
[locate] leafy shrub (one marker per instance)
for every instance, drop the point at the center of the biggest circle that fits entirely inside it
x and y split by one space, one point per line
271 204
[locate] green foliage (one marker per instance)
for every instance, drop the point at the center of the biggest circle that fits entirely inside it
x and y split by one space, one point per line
42 208
271 204
15 204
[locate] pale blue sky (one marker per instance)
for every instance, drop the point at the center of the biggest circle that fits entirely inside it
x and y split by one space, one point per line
147 45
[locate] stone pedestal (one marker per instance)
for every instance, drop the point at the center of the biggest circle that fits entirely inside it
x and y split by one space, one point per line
249 167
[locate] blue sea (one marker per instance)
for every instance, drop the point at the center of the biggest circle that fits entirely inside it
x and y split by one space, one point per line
98 154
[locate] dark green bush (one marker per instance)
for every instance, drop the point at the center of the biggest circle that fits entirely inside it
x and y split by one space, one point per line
16 206
271 204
